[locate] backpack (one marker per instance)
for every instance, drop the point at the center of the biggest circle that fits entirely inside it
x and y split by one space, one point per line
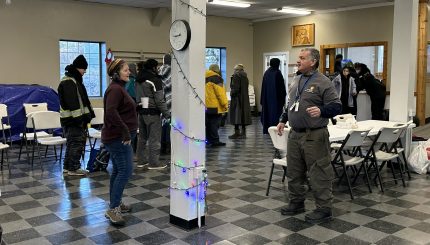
98 160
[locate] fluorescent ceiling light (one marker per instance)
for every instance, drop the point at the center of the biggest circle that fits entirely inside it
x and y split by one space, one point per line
294 11
229 3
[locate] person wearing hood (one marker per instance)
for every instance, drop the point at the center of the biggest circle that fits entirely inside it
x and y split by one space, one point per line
149 90
374 88
216 104
346 89
75 112
273 95
119 127
165 73
240 109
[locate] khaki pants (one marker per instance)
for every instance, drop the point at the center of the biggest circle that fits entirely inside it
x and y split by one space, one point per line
309 152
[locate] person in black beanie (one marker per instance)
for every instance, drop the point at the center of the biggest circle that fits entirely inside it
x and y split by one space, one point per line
75 112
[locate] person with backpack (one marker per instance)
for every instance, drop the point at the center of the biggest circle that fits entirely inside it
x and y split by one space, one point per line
374 88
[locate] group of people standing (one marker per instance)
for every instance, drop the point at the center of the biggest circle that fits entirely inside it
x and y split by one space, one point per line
130 102
239 111
353 78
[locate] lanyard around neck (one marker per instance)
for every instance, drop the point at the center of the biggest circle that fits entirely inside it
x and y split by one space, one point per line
300 91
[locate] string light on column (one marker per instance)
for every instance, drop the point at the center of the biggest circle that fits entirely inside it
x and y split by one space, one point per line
196 10
193 89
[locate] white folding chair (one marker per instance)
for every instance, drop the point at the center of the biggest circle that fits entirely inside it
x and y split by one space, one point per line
5 122
47 121
280 143
388 139
401 149
94 132
28 133
5 129
350 154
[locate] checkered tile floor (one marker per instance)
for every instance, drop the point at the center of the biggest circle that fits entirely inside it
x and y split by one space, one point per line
46 208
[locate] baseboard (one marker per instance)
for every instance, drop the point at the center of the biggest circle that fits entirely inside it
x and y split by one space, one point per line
186 224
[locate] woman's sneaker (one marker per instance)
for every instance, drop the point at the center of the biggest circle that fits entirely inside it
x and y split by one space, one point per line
124 208
115 217
158 167
142 165
78 172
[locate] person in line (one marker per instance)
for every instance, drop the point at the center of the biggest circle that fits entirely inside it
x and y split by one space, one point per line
312 100
347 91
272 95
165 73
120 126
216 104
374 88
130 88
75 112
240 109
149 87
338 63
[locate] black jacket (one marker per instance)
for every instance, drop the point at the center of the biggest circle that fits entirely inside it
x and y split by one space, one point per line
69 99
148 84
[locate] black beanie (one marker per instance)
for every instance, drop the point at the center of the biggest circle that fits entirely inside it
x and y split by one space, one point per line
150 64
80 62
275 62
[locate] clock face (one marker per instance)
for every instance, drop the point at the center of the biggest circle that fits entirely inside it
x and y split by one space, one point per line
180 34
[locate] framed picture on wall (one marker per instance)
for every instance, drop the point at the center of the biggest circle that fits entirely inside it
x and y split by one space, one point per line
303 35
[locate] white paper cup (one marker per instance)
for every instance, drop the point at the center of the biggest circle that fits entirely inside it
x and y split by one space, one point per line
145 101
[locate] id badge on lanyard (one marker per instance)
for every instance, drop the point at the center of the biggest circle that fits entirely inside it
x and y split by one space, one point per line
295 105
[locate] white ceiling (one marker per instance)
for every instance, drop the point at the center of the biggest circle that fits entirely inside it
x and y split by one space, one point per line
260 9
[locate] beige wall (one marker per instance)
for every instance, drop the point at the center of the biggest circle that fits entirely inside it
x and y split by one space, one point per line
364 25
30 31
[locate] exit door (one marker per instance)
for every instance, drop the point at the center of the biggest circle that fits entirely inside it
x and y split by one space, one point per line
283 67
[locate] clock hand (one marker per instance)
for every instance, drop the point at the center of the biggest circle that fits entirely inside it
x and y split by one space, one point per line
177 35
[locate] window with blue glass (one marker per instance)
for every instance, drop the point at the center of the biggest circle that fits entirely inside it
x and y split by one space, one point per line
217 56
95 79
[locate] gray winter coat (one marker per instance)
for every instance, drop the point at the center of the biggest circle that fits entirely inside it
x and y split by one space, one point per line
240 110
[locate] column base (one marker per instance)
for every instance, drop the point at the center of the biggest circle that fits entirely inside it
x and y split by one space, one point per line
186 224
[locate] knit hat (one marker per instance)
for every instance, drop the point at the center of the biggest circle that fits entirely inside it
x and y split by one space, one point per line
275 62
150 64
114 66
167 59
238 67
215 68
80 62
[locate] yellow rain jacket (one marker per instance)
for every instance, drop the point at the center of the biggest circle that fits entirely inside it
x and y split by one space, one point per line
216 98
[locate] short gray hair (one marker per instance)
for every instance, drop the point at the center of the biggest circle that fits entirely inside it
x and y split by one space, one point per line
315 55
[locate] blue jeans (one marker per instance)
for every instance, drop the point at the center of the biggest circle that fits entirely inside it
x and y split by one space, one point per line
121 157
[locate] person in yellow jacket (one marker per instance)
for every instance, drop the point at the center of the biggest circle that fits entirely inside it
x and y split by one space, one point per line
216 104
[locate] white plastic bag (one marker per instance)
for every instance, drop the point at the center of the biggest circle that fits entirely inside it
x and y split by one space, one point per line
418 159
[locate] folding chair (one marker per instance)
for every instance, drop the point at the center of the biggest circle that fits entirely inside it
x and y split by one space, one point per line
350 154
5 122
47 121
96 123
401 149
388 138
28 134
280 143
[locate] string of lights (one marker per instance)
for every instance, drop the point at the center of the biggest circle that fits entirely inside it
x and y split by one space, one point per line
196 10
186 136
193 89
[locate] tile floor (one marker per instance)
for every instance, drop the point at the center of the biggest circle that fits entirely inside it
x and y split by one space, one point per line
46 208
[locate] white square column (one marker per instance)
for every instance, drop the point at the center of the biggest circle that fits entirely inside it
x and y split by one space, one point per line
404 60
187 180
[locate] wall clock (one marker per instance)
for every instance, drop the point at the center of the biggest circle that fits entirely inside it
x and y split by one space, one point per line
180 35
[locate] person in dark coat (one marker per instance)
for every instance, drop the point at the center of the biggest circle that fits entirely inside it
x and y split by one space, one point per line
338 64
240 109
75 112
374 89
272 95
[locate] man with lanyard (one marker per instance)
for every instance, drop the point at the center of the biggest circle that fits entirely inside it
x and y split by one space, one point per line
312 101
